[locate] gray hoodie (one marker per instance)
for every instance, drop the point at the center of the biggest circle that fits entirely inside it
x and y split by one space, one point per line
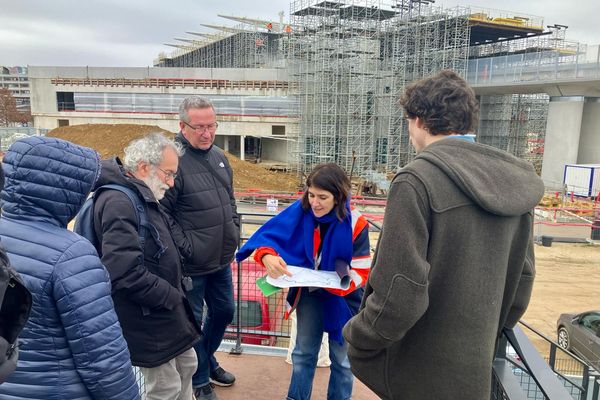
453 266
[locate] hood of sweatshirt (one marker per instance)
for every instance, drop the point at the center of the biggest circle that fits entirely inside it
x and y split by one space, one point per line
497 181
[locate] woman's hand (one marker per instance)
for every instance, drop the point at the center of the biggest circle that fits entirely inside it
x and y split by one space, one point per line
275 266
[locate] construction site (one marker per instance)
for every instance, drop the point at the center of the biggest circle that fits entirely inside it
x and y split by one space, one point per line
351 60
324 85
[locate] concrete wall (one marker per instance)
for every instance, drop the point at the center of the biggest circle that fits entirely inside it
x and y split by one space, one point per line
562 138
50 120
233 127
589 140
241 74
275 150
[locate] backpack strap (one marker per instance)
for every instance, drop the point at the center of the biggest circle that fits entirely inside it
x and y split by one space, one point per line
140 211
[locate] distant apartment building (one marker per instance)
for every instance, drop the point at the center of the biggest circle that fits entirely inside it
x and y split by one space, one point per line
16 80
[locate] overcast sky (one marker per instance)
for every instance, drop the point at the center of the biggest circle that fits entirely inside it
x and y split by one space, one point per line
132 33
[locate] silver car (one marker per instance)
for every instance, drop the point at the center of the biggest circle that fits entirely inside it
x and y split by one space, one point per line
580 333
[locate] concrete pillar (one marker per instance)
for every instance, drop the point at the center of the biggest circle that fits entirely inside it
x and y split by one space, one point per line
226 144
589 140
561 145
242 149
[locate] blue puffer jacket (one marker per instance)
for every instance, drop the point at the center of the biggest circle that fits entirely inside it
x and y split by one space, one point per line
72 346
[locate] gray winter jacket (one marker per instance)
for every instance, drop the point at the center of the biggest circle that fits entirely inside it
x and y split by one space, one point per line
453 266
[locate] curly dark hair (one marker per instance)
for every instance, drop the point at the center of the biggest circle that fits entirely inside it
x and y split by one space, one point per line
444 102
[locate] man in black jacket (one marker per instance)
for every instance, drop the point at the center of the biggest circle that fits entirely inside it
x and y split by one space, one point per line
202 203
157 320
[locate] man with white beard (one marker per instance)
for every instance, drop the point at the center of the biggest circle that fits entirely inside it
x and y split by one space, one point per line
146 275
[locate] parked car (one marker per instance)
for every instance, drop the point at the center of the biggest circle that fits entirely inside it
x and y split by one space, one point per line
253 308
580 333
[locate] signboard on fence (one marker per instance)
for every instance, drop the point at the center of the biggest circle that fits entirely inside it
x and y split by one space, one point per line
272 205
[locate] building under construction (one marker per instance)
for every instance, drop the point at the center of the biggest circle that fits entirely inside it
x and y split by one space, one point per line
351 60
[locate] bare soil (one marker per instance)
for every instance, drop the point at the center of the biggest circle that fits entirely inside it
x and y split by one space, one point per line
110 140
567 281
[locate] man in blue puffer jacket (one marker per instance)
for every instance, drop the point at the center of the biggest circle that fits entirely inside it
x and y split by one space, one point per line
72 346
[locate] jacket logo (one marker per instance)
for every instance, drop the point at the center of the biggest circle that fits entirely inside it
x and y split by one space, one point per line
221 165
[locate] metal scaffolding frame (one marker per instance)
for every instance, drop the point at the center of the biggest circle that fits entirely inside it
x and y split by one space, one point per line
515 123
352 60
247 48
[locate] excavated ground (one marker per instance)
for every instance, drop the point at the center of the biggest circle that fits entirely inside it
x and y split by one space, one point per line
110 140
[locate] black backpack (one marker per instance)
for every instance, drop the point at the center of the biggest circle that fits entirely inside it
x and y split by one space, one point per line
84 222
15 307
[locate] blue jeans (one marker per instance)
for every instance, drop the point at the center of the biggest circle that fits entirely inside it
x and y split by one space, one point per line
309 314
216 289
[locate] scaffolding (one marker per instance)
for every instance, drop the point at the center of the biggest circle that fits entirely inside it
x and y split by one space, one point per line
352 60
515 123
240 47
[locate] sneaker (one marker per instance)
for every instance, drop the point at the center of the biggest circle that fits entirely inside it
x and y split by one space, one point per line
220 377
205 392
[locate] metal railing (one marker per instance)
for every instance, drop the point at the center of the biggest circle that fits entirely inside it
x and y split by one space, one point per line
9 135
267 326
520 371
258 320
535 67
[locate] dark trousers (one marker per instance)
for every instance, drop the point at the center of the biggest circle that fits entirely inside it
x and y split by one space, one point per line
216 289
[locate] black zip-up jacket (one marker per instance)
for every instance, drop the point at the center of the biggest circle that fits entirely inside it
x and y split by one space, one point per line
157 321
207 223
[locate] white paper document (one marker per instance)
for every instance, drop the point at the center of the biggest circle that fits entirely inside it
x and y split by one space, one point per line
310 278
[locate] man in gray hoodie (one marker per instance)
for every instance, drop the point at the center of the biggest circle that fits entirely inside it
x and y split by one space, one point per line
454 263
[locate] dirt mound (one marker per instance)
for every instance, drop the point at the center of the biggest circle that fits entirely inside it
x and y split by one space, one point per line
110 140
253 176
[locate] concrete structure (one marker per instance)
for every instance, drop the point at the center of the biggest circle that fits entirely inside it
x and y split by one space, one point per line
325 87
254 107
352 59
571 83
15 79
562 137
572 136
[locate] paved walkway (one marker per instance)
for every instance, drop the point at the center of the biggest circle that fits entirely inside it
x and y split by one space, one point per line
261 377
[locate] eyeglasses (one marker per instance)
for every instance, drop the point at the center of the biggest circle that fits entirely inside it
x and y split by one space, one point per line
210 127
169 175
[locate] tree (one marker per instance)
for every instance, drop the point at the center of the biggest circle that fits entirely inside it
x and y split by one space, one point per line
8 108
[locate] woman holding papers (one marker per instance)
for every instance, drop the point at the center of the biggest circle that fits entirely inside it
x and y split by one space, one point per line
321 232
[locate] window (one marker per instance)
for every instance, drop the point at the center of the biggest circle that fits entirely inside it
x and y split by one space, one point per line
63 122
278 130
65 101
591 322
